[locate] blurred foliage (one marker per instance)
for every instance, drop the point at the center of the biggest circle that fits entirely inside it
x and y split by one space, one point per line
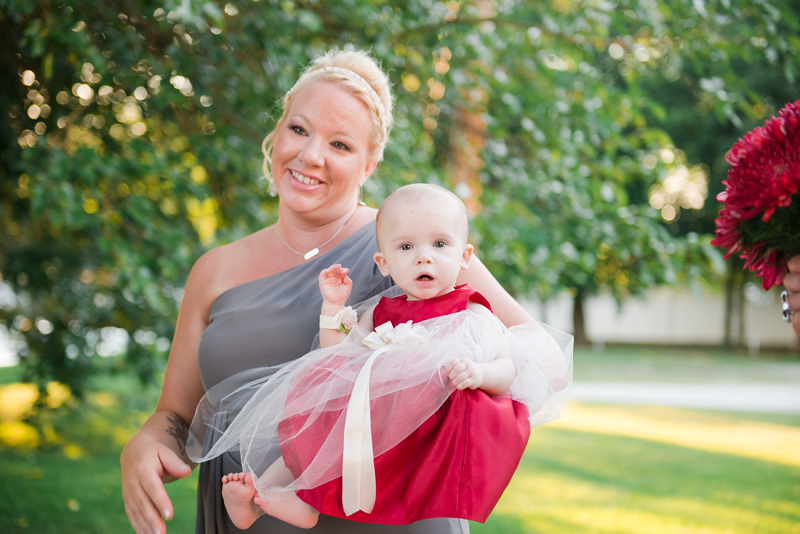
131 133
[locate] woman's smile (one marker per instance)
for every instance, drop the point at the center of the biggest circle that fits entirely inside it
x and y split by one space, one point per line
303 178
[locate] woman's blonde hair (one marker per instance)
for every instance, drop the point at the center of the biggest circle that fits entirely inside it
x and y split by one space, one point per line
349 70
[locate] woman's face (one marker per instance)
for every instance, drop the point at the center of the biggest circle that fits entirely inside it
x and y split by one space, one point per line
320 152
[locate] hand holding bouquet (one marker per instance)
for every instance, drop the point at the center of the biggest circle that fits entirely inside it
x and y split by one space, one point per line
761 216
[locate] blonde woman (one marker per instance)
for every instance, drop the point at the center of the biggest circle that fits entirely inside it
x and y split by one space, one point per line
255 302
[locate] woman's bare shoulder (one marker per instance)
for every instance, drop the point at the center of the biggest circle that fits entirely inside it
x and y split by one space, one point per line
224 267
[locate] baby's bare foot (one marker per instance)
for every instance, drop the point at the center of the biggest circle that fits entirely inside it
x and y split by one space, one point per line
238 496
290 508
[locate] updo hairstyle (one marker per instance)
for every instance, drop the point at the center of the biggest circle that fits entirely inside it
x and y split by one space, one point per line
363 65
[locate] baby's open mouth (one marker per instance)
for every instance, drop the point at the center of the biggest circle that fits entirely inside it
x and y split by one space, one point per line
424 277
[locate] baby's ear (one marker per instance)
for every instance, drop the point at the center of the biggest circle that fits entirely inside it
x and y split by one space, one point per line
466 256
380 261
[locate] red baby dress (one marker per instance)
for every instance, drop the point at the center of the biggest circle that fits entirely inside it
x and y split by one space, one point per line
456 464
438 451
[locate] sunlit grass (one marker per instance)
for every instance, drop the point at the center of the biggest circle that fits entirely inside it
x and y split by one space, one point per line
49 493
16 401
628 469
707 431
62 475
601 469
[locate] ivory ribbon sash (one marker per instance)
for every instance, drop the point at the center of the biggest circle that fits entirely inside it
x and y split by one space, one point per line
358 464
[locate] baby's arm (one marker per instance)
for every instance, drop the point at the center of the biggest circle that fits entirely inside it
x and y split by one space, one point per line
494 377
335 287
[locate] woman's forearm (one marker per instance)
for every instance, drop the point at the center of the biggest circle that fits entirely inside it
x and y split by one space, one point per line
170 430
504 306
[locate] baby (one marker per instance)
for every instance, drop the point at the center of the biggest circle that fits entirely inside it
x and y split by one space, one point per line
422 237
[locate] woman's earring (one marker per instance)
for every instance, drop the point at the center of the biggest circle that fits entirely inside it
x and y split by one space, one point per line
361 196
273 191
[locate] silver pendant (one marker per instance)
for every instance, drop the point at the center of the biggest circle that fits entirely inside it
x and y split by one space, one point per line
310 254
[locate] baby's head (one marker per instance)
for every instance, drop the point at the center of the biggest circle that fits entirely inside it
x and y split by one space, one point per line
422 235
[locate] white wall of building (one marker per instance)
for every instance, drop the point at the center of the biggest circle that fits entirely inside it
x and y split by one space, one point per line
7 356
662 316
669 316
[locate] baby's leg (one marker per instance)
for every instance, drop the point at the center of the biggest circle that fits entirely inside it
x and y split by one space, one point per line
289 508
238 496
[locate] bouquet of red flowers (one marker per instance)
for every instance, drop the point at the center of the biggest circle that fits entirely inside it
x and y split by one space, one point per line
761 216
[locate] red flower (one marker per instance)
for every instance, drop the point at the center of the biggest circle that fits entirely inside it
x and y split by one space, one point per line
764 176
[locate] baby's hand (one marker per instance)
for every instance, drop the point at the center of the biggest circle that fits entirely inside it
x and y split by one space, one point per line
334 284
465 373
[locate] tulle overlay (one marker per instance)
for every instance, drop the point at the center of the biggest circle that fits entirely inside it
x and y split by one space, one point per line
298 410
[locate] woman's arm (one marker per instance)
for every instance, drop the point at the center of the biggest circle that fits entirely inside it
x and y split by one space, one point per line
150 459
504 306
157 453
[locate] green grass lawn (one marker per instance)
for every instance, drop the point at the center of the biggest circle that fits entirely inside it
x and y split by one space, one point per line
622 469
661 364
600 469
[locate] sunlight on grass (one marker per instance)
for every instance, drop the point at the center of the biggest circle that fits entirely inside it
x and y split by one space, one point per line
57 394
653 470
717 433
16 401
591 508
101 399
73 451
121 436
18 434
553 502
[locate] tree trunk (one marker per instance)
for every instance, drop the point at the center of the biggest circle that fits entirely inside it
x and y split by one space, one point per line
727 340
739 338
734 305
578 319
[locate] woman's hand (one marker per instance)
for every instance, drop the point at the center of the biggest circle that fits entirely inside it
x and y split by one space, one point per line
157 453
792 283
147 463
335 285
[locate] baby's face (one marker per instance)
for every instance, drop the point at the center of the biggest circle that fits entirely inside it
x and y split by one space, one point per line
422 248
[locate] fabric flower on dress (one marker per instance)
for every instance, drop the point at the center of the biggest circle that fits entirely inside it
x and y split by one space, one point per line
402 334
759 221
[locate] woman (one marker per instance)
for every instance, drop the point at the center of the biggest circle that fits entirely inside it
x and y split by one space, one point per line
255 302
792 284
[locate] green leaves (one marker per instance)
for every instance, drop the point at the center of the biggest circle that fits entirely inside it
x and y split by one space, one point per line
132 143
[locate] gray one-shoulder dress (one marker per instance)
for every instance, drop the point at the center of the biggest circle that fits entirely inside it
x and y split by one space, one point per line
268 322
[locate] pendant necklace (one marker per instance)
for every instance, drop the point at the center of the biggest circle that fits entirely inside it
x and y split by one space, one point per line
314 251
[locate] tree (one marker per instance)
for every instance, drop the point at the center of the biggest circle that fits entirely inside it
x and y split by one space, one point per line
133 132
718 96
577 142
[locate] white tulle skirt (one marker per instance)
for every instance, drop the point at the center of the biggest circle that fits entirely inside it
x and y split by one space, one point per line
264 414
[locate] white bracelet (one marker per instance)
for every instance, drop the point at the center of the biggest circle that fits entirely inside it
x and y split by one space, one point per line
331 322
337 321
